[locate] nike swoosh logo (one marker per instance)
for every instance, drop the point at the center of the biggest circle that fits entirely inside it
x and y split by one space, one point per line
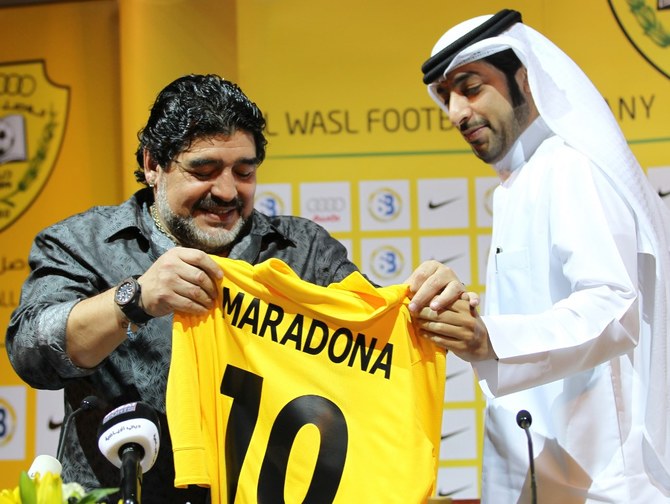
455 375
449 259
453 433
53 425
439 204
442 493
663 194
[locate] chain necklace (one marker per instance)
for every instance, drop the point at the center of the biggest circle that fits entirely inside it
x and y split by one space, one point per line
157 221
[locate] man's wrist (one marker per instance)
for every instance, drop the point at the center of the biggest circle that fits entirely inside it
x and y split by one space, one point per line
128 297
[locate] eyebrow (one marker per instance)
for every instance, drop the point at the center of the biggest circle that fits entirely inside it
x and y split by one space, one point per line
195 163
462 77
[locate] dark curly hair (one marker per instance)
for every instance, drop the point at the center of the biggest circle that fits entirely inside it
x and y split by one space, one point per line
194 107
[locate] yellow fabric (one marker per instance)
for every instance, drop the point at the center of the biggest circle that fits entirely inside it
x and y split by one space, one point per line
383 414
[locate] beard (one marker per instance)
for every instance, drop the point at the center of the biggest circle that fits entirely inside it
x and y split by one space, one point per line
502 138
187 233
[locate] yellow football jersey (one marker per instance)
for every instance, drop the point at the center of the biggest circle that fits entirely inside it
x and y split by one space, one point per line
296 393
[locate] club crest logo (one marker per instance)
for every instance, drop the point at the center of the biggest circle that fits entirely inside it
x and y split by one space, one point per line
33 115
646 24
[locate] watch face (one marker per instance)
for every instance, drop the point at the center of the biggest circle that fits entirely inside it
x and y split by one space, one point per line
125 293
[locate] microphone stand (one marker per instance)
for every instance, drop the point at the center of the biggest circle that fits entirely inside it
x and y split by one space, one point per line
131 473
533 487
523 420
88 403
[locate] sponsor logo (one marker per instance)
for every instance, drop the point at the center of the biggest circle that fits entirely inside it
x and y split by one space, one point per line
324 210
663 194
387 262
453 433
7 422
326 204
54 424
448 260
270 204
384 204
646 25
445 493
433 206
33 116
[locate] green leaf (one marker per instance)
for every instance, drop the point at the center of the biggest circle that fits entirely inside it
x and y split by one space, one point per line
27 489
95 495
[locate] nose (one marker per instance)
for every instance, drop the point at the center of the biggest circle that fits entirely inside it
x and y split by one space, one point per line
459 109
224 186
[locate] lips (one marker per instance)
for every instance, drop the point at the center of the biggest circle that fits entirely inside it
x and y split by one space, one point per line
219 214
474 134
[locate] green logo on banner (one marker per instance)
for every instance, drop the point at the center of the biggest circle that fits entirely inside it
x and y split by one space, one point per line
646 24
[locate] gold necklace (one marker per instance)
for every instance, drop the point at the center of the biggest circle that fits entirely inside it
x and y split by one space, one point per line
157 221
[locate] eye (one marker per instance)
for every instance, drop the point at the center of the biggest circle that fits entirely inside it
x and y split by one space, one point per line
471 90
202 174
245 171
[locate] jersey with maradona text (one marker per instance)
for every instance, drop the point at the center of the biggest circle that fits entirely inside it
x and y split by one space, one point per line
291 392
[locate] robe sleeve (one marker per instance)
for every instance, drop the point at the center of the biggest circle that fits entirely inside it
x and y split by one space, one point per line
566 299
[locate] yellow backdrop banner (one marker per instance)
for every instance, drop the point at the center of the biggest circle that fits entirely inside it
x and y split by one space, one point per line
355 143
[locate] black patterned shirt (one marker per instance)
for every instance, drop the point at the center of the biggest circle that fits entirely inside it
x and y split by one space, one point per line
92 252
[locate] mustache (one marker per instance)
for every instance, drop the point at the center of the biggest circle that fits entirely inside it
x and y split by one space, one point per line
212 203
471 125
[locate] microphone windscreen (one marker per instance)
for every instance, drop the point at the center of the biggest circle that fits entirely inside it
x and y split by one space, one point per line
91 402
523 419
44 464
131 423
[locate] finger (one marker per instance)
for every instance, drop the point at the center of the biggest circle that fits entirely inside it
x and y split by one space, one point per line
443 343
452 291
420 274
166 293
454 332
181 279
471 297
206 273
437 290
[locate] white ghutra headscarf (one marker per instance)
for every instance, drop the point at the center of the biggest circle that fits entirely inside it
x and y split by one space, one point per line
574 110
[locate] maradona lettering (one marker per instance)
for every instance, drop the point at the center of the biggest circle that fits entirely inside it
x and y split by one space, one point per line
310 336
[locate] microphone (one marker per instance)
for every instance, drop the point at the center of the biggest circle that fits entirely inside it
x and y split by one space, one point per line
129 437
523 419
88 403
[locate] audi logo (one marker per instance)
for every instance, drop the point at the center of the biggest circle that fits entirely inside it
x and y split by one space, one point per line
13 84
328 204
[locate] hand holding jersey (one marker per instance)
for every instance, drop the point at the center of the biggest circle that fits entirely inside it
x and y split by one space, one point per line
182 279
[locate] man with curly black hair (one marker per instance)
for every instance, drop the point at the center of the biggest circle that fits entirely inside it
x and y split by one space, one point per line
95 316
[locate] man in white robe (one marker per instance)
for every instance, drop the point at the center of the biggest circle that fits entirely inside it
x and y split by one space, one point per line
575 326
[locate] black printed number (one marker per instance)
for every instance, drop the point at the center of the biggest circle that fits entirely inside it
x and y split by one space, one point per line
245 389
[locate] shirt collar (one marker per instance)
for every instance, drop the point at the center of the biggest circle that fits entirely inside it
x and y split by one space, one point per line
250 245
524 147
133 216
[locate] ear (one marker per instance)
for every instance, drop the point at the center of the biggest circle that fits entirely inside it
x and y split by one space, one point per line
522 80
150 168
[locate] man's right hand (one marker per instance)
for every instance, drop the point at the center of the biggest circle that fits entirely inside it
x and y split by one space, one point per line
182 279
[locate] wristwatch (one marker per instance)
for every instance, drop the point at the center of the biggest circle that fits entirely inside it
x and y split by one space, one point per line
127 296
